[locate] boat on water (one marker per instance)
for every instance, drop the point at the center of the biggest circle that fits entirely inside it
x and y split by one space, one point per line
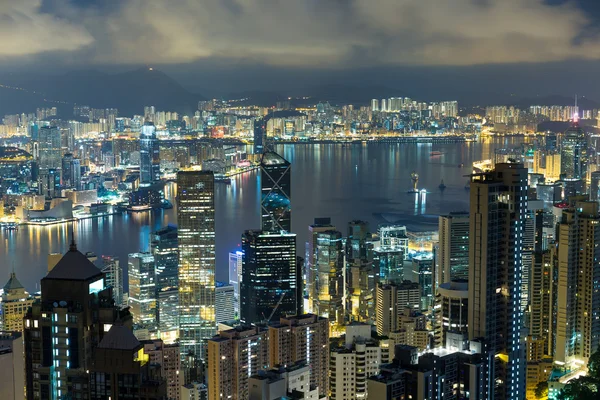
10 226
461 165
442 185
414 177
435 154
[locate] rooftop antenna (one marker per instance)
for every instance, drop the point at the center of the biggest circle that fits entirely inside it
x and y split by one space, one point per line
73 246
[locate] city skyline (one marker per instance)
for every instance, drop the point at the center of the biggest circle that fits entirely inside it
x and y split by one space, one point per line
339 200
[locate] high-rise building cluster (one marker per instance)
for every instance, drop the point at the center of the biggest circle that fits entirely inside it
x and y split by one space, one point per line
508 300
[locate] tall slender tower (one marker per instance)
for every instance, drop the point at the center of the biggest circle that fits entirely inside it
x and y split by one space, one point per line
573 153
310 259
497 225
360 276
196 235
276 194
578 299
149 155
329 282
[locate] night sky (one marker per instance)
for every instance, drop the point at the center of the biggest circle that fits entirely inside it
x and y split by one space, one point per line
433 47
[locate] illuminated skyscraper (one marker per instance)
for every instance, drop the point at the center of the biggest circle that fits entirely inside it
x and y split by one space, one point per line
329 282
310 259
260 135
276 193
49 148
113 276
15 303
149 155
142 291
270 276
573 153
163 245
595 186
384 105
578 300
67 170
235 278
196 236
224 299
233 356
49 160
302 338
453 254
374 105
497 223
360 275
76 174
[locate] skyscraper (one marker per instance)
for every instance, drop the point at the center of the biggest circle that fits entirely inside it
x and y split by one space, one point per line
224 299
75 174
497 222
49 160
113 277
142 291
276 195
196 237
67 169
374 105
360 275
260 135
15 303
452 300
595 186
329 282
50 149
63 328
149 155
310 259
163 246
578 300
235 278
271 277
453 254
573 153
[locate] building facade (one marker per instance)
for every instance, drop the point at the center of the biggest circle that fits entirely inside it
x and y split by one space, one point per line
498 204
271 279
196 238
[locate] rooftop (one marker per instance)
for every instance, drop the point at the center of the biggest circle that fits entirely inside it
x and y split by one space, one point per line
13 283
272 158
74 266
119 337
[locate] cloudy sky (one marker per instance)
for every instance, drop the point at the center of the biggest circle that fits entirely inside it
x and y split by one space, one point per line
246 44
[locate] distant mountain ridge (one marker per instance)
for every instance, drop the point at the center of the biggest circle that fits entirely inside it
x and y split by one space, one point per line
129 92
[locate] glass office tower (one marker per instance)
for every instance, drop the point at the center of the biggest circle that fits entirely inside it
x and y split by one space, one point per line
196 235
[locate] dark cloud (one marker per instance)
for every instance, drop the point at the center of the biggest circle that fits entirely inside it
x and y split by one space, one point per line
304 33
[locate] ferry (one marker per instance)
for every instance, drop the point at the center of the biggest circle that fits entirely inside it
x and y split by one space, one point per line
436 154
